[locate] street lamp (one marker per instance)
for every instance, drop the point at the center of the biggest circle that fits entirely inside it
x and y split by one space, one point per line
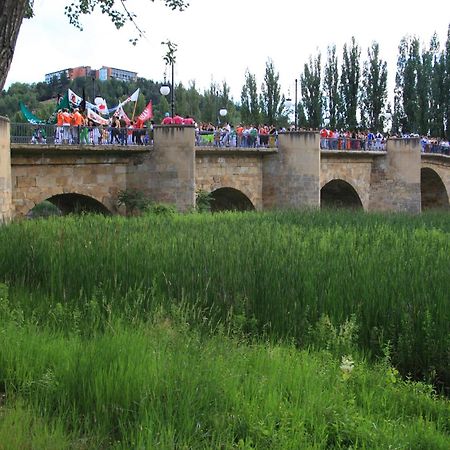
169 58
288 104
164 89
295 106
223 112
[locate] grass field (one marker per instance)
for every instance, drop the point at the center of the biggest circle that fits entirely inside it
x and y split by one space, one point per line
257 330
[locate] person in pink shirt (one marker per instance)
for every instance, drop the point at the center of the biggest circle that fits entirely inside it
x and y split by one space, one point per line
188 121
177 120
167 120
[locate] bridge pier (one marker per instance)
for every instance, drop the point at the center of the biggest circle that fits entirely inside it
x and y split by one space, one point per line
395 179
5 172
291 177
167 174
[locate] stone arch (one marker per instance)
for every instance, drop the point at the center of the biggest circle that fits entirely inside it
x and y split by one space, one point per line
230 199
432 190
74 203
338 193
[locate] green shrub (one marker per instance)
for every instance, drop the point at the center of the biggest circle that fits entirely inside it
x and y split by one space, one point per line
161 209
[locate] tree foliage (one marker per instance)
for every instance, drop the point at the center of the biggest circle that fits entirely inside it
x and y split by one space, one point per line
374 93
331 88
250 108
272 103
311 87
350 78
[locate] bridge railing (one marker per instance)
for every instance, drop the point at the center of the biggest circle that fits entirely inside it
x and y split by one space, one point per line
231 139
438 148
25 133
362 144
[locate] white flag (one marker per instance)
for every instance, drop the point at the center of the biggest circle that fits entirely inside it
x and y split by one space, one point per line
74 98
100 103
135 95
96 118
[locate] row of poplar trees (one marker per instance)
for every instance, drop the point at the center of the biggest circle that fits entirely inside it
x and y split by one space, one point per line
352 94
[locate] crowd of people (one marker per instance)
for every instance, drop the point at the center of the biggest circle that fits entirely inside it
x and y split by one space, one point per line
346 140
432 145
245 136
76 128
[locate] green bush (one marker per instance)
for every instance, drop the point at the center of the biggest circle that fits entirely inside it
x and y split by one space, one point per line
160 209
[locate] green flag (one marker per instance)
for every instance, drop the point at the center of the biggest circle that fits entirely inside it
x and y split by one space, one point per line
29 116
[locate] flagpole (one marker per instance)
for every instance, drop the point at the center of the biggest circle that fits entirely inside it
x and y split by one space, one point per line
134 110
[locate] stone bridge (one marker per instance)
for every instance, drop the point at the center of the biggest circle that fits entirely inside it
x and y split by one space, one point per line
295 175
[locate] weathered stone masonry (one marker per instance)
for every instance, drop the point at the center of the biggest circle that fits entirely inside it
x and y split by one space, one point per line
291 176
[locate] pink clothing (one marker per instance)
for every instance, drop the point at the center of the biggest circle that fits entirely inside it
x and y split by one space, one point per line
167 121
188 121
177 120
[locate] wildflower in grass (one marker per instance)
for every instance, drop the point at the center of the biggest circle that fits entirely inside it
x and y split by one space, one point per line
347 366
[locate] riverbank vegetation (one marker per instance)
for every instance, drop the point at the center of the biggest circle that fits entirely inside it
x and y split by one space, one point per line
256 330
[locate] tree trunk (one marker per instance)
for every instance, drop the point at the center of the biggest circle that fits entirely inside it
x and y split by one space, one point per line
12 13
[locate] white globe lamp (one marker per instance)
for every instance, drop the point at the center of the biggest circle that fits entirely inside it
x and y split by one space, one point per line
164 89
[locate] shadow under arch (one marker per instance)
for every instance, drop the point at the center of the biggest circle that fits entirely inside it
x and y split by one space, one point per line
339 194
77 204
230 199
432 190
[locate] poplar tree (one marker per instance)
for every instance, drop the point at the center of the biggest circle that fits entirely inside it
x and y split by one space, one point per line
271 102
446 87
374 92
398 117
410 88
350 78
331 88
250 108
311 86
424 81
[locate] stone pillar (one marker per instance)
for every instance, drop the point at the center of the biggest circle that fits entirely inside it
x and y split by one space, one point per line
291 177
5 172
395 180
167 174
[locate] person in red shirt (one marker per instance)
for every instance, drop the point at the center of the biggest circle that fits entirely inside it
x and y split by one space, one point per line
167 120
177 120
188 121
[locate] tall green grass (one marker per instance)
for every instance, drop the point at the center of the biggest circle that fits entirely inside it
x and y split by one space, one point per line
163 385
285 271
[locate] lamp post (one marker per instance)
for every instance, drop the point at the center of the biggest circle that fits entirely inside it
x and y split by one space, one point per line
169 58
288 105
295 106
223 112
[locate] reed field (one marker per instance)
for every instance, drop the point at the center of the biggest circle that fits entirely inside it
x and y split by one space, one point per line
236 330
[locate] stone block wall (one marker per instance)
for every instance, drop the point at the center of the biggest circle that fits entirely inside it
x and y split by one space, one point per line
232 169
291 177
395 179
5 172
167 174
42 172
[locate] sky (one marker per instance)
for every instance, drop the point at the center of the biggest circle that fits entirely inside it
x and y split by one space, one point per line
219 40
